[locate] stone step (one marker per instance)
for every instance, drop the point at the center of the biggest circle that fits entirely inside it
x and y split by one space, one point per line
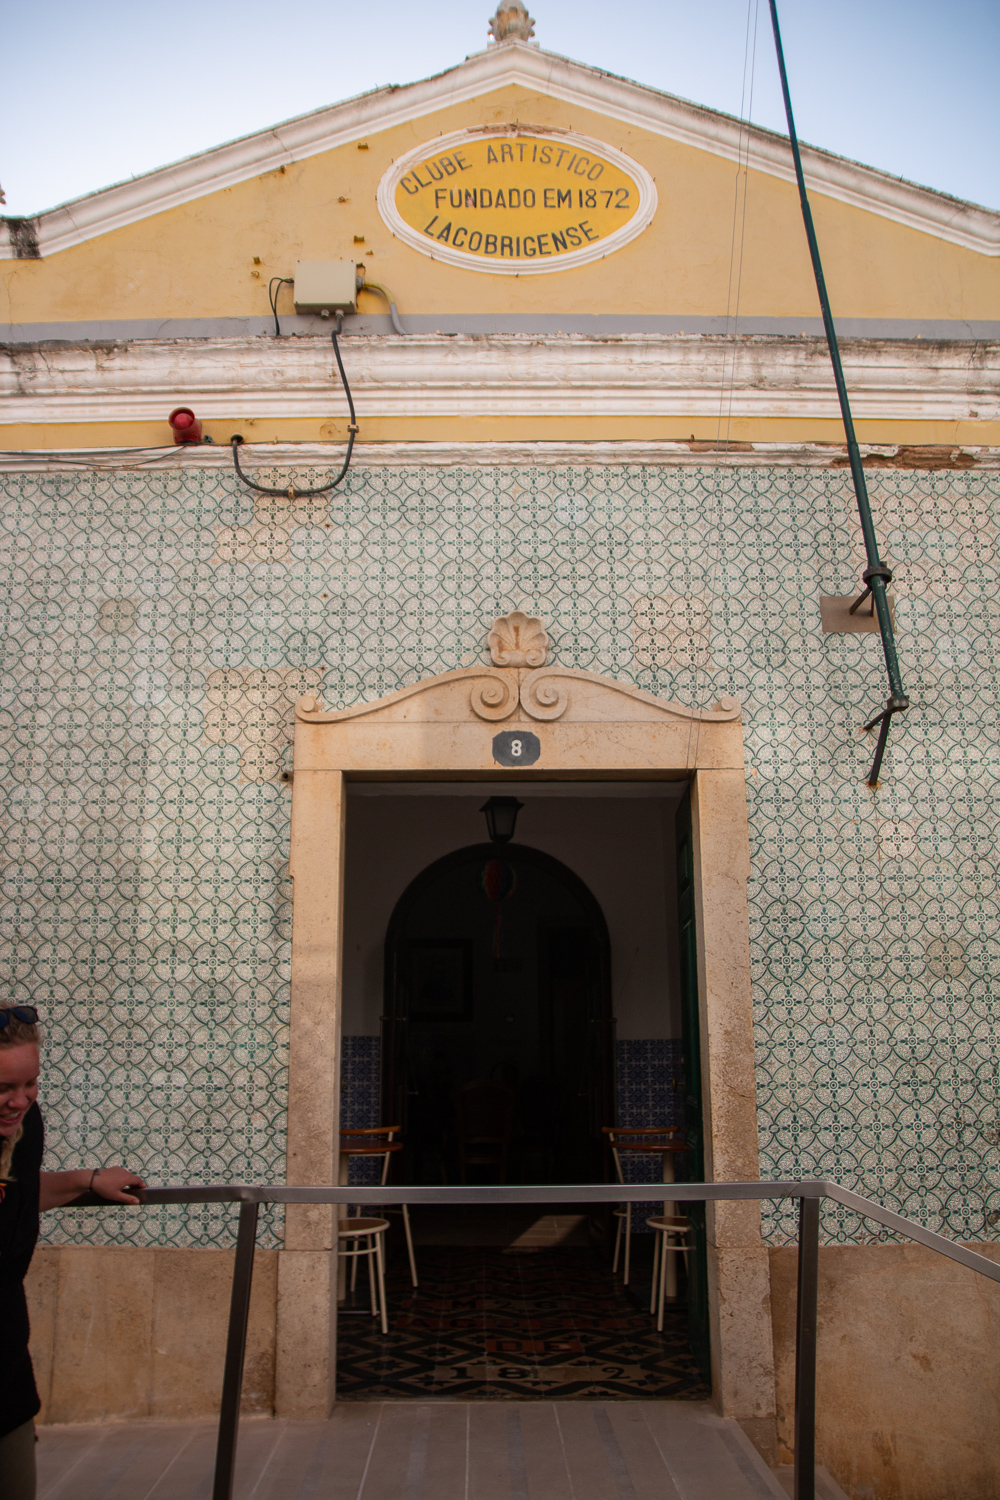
434 1450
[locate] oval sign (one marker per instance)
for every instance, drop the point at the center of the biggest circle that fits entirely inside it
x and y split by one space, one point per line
516 203
516 748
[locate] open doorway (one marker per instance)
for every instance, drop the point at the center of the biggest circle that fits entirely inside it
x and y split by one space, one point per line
497 1023
590 736
550 970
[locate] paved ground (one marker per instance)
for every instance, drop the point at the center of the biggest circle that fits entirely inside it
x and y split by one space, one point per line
442 1450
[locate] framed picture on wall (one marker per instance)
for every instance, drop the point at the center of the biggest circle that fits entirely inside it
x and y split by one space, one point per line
440 979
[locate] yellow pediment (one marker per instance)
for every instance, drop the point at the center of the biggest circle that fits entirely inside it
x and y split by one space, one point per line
517 196
203 238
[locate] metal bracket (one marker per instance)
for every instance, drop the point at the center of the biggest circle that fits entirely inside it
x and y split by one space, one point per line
878 572
884 719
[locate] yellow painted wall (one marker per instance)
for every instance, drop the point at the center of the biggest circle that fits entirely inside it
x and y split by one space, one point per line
198 260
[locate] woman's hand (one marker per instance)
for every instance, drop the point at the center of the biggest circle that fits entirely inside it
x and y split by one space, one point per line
112 1183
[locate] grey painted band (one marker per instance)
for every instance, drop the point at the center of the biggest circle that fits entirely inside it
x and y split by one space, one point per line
597 325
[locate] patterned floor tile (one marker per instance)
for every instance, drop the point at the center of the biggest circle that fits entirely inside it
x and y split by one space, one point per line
488 1325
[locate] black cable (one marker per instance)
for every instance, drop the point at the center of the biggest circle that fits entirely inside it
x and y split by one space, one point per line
272 297
290 490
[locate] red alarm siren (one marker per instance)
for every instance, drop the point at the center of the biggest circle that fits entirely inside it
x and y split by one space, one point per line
185 425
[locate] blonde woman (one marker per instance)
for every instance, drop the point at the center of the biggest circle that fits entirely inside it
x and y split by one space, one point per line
25 1191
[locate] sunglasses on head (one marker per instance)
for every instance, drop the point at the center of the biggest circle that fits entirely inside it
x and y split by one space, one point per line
26 1013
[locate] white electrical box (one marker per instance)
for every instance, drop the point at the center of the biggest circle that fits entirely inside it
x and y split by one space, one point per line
326 286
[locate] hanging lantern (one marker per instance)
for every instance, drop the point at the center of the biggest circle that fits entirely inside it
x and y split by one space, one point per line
499 881
501 818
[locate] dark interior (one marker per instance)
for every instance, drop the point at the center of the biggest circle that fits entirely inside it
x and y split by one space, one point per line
498 1021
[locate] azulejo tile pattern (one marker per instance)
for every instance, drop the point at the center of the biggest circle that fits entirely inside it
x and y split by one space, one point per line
649 1081
157 627
360 1087
360 1064
648 1089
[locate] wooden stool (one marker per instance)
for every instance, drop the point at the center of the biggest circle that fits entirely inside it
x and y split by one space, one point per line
670 1227
371 1230
373 1141
643 1140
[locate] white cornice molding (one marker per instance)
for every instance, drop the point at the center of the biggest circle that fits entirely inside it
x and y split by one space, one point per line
516 64
303 458
236 380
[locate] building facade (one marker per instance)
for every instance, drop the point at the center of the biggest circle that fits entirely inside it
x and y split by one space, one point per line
238 725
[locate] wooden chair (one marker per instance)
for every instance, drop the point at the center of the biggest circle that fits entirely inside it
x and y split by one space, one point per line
379 1141
485 1110
640 1140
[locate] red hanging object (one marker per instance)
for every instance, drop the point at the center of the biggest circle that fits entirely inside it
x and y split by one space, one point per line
499 880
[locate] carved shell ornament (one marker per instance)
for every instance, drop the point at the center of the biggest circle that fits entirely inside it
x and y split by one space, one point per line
518 640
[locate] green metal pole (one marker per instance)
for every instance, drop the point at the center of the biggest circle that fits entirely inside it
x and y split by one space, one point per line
876 575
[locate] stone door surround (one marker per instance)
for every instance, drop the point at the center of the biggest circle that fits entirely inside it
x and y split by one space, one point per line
586 726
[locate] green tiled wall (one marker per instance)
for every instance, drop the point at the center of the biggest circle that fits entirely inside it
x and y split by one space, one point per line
158 627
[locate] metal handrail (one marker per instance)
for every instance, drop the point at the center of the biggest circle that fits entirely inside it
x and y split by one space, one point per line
810 1193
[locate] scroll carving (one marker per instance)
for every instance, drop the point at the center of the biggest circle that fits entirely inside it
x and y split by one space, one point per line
494 698
543 697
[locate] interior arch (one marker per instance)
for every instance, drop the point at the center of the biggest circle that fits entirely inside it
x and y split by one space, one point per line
497 967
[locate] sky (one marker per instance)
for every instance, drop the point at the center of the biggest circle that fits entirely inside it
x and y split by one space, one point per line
91 94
